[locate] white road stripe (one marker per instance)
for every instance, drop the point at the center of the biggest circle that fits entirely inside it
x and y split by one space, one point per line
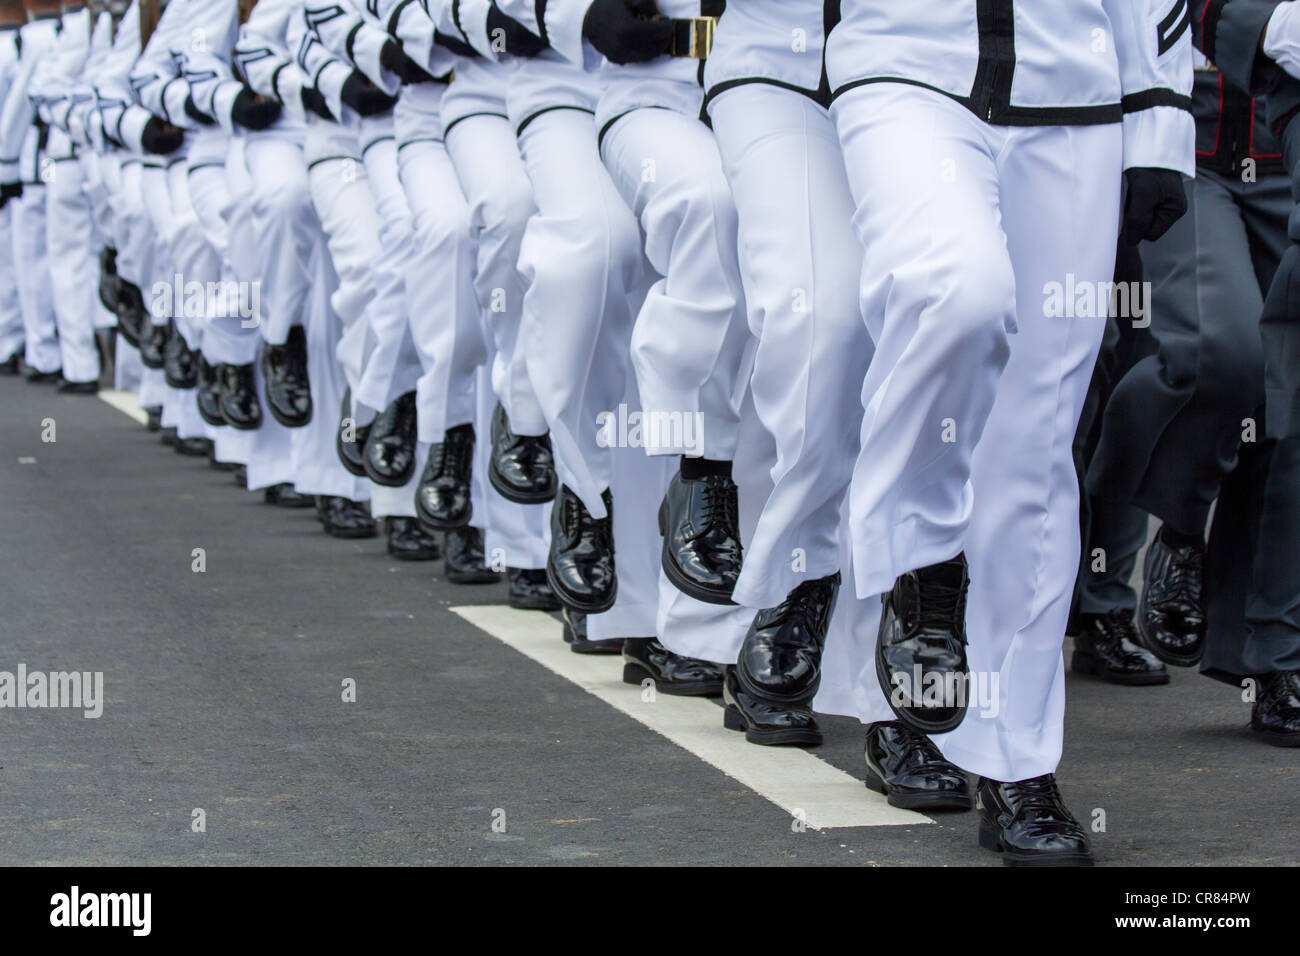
791 778
127 403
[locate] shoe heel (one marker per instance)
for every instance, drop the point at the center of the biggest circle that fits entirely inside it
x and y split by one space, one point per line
875 783
1081 662
989 838
732 719
635 674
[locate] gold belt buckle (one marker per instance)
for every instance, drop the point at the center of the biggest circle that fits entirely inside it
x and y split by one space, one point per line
701 38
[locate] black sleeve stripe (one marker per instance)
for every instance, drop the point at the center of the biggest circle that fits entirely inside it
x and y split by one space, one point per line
1172 27
1147 99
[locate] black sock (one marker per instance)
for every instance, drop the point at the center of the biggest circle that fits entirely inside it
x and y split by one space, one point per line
460 429
696 468
1177 539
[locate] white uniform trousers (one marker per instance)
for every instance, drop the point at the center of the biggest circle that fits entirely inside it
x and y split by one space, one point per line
691 346
140 248
800 262
11 313
976 387
33 278
74 274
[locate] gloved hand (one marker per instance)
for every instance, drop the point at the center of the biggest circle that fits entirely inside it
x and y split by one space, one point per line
627 31
516 38
394 59
1154 200
159 136
193 112
313 102
254 112
9 191
364 97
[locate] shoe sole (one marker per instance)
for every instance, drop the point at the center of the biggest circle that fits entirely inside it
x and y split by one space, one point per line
1164 656
635 674
510 493
1278 738
733 719
918 801
175 383
379 479
431 555
990 840
611 646
1091 666
216 421
438 524
678 578
346 534
908 715
569 601
535 605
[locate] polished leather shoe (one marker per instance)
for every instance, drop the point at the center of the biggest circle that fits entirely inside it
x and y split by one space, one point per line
1275 716
110 285
153 418
1105 646
350 439
192 447
1027 823
44 378
575 635
408 541
180 362
240 406
921 647
132 316
700 523
529 590
909 770
168 436
283 495
1171 617
644 658
465 562
521 467
10 365
580 563
442 498
208 394
78 388
389 455
153 345
766 723
780 659
288 390
345 519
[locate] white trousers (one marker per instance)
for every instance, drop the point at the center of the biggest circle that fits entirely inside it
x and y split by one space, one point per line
74 273
800 262
973 396
582 265
33 279
11 313
691 347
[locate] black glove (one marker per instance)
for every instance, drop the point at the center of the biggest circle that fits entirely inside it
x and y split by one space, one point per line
364 97
394 59
160 136
193 112
627 31
1154 200
9 191
518 39
254 112
313 102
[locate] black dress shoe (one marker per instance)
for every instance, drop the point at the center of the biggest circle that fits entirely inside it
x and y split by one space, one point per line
132 316
180 362
168 436
350 439
580 564
78 388
442 498
1171 617
408 541
10 365
521 467
1105 646
389 456
1276 714
765 723
284 496
109 283
1027 823
921 647
575 635
153 418
780 659
237 398
219 465
207 395
153 345
345 519
288 390
700 523
909 770
645 658
465 563
192 447
529 590
44 378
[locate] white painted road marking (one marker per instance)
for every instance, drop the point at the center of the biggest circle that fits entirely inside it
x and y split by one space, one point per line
127 403
789 777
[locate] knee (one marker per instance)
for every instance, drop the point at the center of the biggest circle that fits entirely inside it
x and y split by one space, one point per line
441 233
285 202
968 304
506 212
1230 370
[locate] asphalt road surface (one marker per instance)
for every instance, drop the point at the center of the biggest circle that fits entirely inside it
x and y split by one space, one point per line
222 693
